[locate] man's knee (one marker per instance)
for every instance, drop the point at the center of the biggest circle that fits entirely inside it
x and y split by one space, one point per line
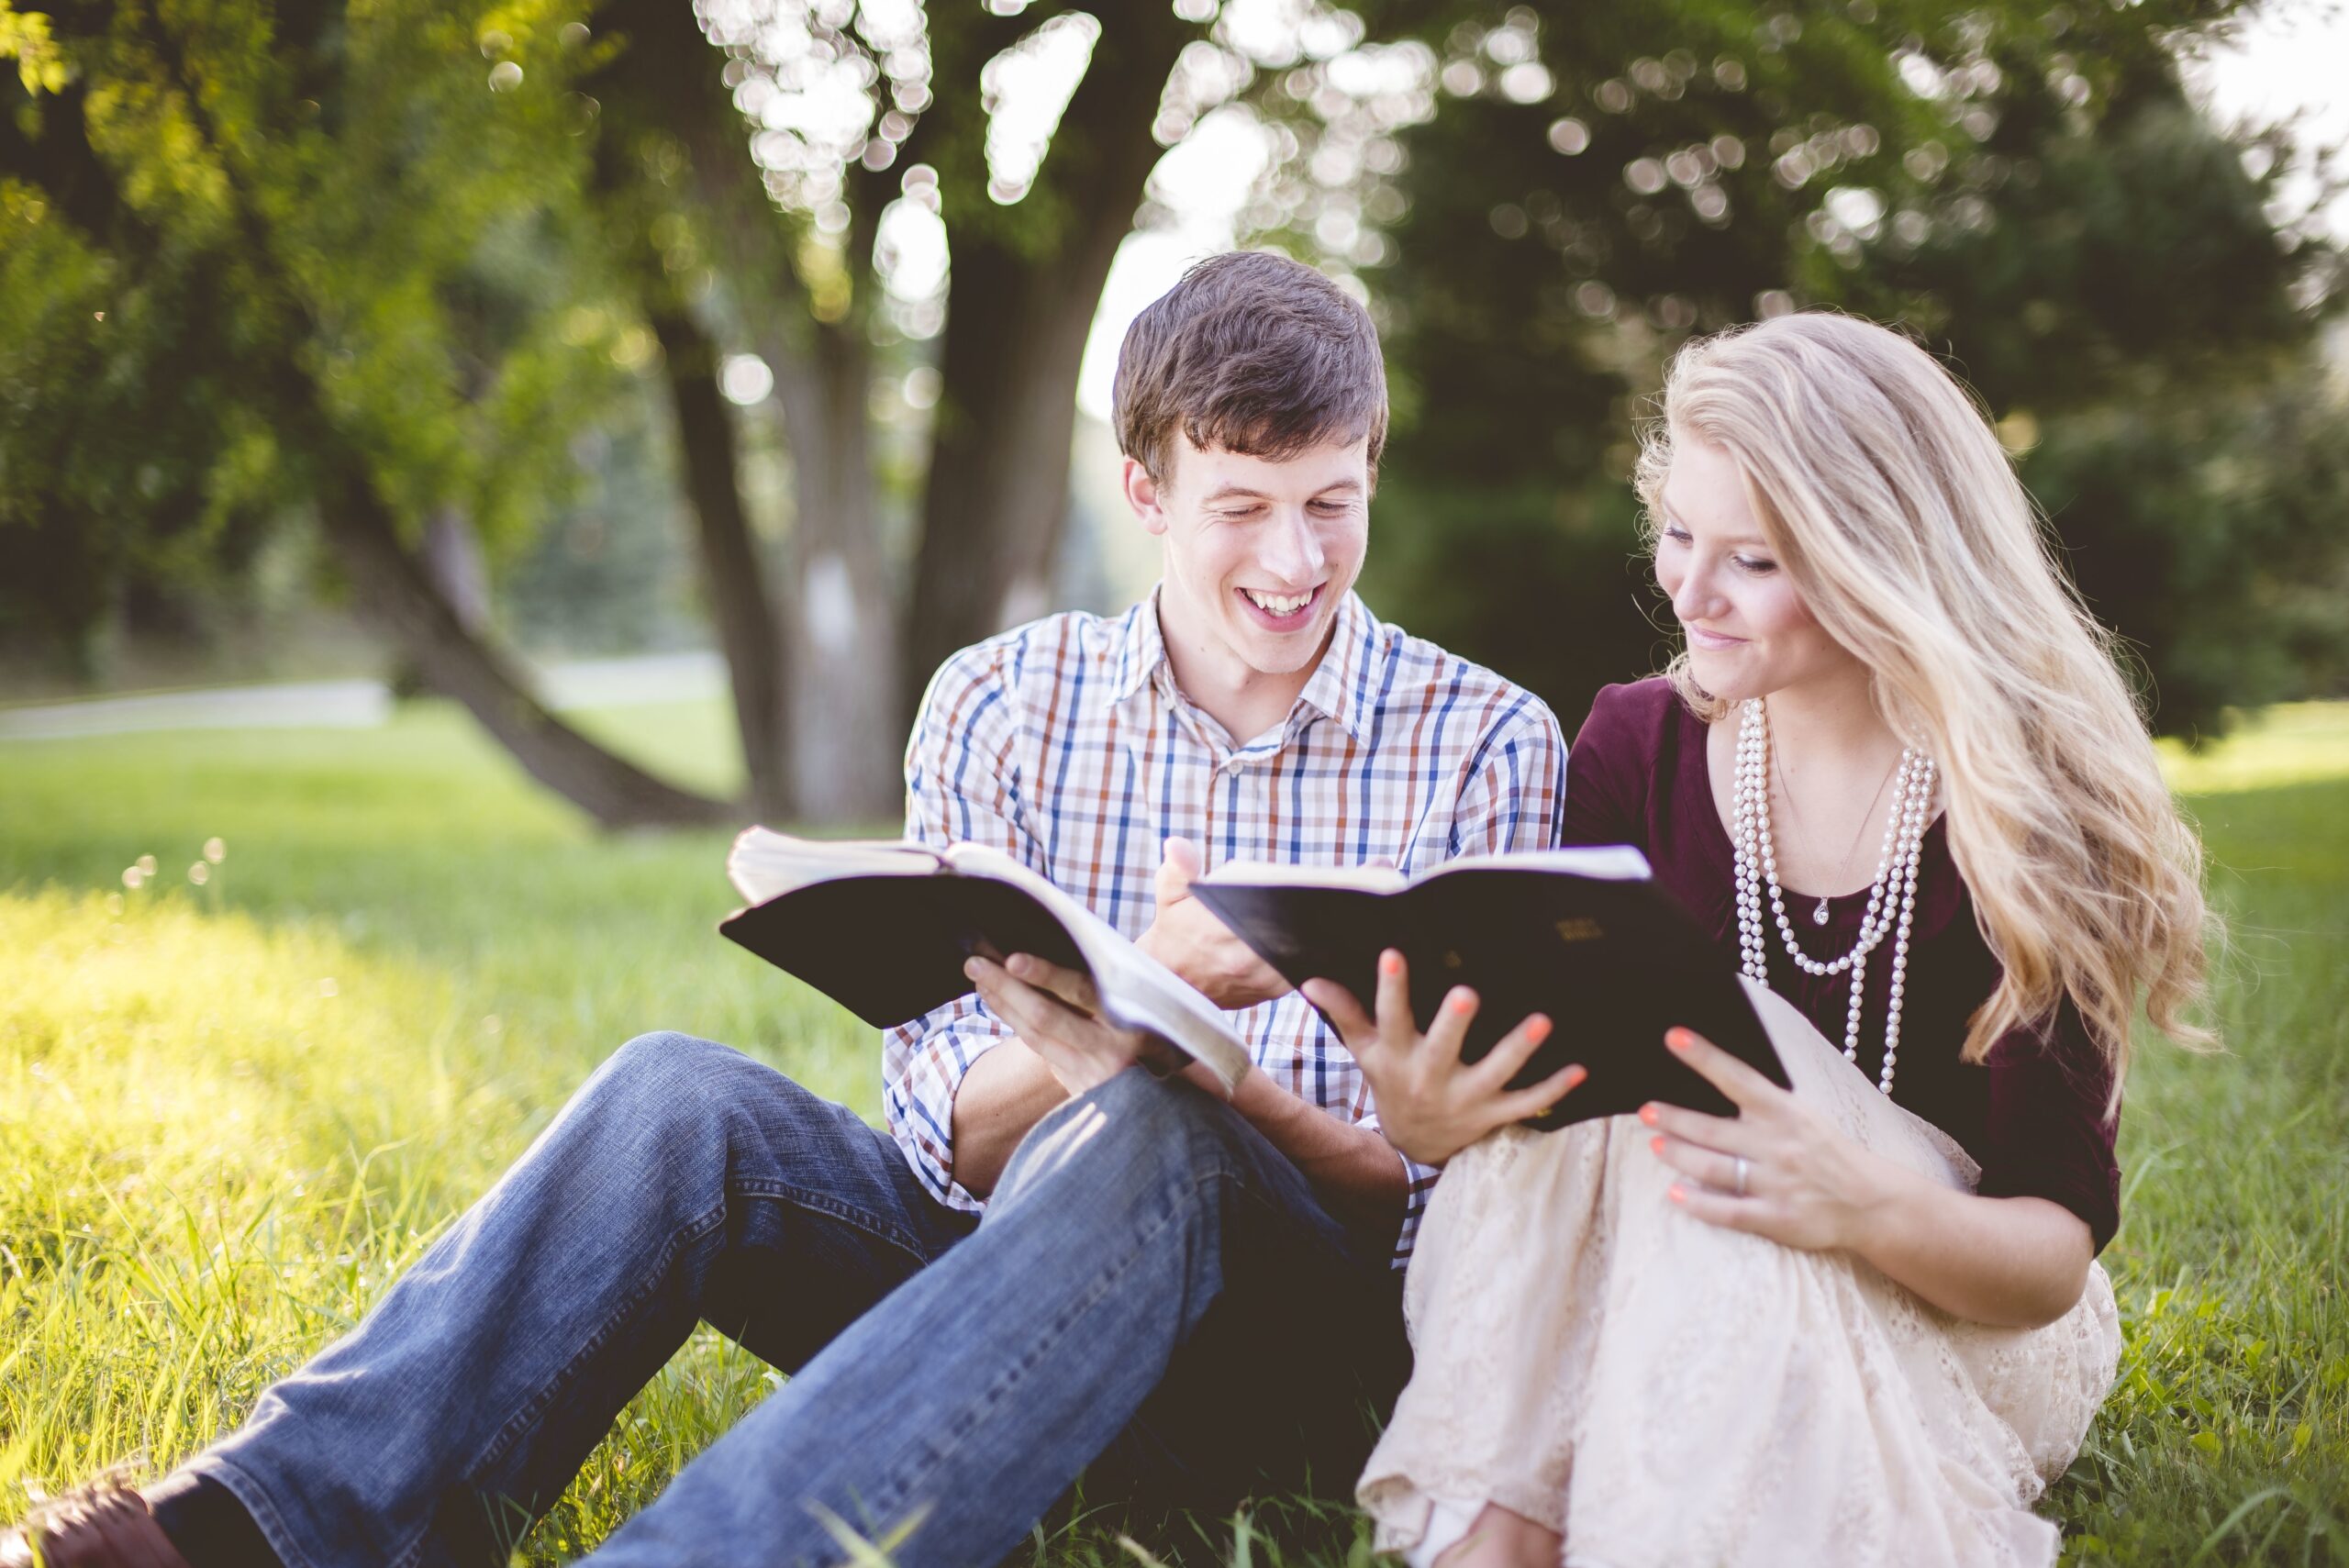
1135 1132
682 1083
663 1068
1174 1106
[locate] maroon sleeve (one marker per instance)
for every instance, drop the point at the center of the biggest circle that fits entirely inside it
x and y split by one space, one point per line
2048 1136
1610 767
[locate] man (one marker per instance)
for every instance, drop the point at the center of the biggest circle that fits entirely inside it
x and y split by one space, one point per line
1064 1260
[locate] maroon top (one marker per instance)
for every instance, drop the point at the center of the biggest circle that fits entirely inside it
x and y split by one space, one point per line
2031 1115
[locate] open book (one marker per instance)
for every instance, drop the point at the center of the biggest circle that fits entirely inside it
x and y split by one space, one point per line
1581 935
883 928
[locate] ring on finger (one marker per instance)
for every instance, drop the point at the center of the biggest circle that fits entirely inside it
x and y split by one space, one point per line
1743 1170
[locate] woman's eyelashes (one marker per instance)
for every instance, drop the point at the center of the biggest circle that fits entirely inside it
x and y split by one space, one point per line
1751 565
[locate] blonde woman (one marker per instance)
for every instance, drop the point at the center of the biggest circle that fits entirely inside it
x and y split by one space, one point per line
1898 772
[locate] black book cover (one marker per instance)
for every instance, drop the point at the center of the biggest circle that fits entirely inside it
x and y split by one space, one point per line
1614 965
825 934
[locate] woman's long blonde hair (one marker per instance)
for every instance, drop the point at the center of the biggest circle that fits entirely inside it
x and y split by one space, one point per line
1892 508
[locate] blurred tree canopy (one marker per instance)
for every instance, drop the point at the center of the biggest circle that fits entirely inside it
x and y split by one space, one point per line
258 264
2024 188
393 272
373 264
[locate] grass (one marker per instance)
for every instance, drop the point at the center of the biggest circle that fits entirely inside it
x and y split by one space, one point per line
232 1113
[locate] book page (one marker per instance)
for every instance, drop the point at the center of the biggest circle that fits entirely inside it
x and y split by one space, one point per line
1136 990
1287 873
766 864
1611 862
1603 863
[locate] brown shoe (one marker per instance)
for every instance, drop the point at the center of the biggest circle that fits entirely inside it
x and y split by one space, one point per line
105 1523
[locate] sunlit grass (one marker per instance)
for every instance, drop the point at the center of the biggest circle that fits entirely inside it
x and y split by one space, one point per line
2294 743
215 1160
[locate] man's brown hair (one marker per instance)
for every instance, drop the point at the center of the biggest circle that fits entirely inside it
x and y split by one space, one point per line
1254 353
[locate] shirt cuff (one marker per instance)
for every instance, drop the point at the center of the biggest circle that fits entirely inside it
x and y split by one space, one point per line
1415 1205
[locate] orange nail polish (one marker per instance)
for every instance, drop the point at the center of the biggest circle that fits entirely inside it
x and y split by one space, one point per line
1537 1028
1675 1040
1649 1114
1461 1001
1390 963
1575 1074
1656 1144
1676 1193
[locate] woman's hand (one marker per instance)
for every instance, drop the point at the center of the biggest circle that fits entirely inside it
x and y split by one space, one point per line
1429 1105
1774 1169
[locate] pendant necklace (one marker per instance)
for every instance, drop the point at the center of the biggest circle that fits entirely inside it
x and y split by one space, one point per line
1892 898
1818 917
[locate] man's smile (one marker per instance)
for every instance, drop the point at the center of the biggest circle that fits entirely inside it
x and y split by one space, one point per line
1282 612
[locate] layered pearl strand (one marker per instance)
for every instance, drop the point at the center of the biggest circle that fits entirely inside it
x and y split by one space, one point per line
1892 900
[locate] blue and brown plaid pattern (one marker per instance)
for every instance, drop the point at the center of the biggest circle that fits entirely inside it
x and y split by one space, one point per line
1066 743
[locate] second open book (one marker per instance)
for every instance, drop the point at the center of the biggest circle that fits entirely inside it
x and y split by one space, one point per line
1584 935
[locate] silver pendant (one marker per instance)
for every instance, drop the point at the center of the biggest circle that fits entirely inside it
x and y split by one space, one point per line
1818 915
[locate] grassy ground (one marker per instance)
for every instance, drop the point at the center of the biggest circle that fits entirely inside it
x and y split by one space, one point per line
232 1112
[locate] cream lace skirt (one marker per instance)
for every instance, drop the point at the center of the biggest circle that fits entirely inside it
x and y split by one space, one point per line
1661 1391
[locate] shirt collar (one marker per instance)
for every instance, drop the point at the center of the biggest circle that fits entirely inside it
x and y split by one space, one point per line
1141 650
1338 688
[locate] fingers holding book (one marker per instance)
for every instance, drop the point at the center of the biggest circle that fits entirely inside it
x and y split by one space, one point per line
1187 937
1430 1106
1056 1012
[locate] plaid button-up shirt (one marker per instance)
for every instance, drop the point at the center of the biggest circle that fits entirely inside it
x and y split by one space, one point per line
1066 743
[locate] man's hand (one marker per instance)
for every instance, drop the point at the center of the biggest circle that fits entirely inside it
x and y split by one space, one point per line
1056 1012
1187 939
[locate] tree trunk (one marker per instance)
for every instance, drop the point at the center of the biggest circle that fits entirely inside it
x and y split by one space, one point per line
734 576
846 738
662 95
454 564
395 596
392 587
1022 305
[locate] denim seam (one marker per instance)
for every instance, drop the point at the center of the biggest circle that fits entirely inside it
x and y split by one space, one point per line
818 1202
906 1483
702 1225
503 1439
252 1492
694 1230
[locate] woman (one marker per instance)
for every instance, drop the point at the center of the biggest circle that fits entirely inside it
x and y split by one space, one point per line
1860 1322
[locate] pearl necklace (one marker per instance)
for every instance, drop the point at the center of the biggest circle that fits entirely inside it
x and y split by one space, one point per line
1892 899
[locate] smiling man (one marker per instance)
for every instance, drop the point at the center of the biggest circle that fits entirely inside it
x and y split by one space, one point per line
1053 1261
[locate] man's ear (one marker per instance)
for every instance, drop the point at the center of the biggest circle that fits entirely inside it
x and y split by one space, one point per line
1144 495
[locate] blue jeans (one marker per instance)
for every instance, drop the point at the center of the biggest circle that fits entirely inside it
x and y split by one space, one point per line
1154 1286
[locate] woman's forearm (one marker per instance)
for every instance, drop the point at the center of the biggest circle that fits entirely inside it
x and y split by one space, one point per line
2015 1263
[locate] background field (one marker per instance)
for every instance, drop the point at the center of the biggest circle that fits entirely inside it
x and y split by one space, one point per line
233 1112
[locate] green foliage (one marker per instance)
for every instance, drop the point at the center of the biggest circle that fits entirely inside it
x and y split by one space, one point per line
2208 529
217 1162
2025 190
227 222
